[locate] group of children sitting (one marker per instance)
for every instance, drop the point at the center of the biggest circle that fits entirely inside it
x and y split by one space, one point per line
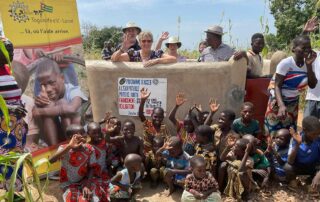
230 156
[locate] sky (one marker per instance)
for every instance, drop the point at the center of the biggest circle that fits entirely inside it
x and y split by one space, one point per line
196 16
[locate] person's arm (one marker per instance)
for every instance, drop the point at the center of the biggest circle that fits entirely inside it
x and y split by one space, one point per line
144 96
312 80
214 107
180 99
316 181
310 26
166 146
277 89
227 149
121 55
75 142
164 36
165 59
242 167
292 154
240 54
116 181
141 148
61 109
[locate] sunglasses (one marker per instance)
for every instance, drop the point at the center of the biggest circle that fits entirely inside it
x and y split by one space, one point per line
146 41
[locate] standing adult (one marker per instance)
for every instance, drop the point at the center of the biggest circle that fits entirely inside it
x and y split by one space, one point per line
292 75
107 50
216 50
130 32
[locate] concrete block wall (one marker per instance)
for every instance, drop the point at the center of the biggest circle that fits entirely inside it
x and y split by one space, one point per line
224 81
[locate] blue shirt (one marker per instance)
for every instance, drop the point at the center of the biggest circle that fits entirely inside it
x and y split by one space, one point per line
181 162
308 154
278 168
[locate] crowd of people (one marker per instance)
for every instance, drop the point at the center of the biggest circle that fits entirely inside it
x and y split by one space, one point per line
107 160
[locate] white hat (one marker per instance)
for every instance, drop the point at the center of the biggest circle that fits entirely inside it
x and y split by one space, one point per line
215 30
173 40
131 25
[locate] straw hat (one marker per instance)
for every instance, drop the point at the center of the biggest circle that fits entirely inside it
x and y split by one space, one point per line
173 40
131 25
215 30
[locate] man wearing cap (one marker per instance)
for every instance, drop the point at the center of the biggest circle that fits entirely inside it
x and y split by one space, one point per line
131 32
216 50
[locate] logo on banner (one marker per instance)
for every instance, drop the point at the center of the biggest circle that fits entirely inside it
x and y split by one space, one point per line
19 11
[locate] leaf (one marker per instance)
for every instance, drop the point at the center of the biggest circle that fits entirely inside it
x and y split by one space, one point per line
4 51
5 111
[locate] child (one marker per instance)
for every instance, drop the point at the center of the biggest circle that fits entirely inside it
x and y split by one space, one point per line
200 184
222 130
151 128
239 165
255 61
185 128
100 147
204 147
126 183
177 165
261 166
113 148
304 152
58 104
78 162
279 153
155 165
246 124
129 142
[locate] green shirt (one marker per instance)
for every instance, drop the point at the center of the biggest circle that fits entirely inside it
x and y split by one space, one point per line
252 128
260 161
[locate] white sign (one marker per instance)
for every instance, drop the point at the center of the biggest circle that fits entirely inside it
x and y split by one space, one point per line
129 95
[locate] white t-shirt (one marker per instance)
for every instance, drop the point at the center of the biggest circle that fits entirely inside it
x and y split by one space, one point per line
72 91
314 94
295 78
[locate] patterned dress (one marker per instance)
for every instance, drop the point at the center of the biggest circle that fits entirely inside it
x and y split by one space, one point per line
295 80
209 156
76 166
16 140
136 57
149 132
188 139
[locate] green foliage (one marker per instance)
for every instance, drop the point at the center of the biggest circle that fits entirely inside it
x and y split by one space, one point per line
94 37
16 160
290 16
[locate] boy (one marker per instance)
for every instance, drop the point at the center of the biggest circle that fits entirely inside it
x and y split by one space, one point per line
77 163
154 164
58 104
255 61
222 130
246 124
177 166
185 128
279 153
152 128
304 152
200 185
130 143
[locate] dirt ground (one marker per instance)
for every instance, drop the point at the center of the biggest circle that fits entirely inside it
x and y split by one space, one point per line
275 192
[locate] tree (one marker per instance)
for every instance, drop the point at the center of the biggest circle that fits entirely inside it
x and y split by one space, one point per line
290 16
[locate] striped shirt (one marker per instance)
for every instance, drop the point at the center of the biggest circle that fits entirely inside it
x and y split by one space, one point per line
9 88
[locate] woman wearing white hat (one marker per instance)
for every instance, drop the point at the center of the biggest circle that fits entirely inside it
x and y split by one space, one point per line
172 45
146 55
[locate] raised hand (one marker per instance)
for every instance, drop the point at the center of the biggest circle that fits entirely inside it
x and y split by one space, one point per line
311 57
311 25
144 94
249 147
180 99
214 106
76 141
167 144
198 107
295 135
164 36
231 141
127 43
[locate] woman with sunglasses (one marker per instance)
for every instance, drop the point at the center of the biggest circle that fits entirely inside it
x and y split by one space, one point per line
147 56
